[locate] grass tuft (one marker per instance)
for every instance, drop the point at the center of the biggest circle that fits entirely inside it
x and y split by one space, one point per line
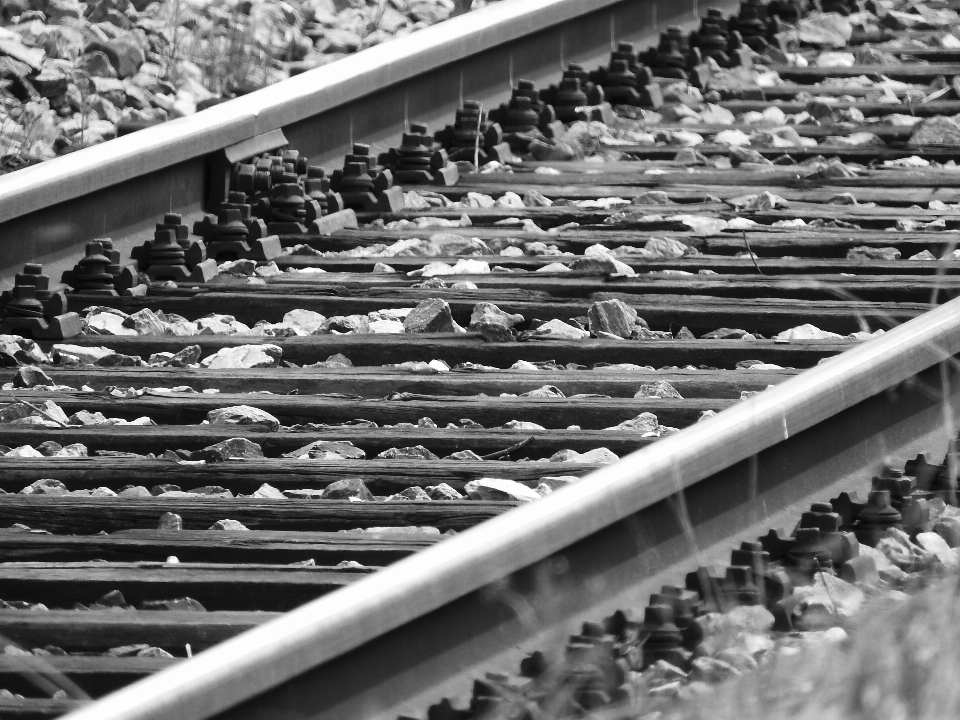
900 662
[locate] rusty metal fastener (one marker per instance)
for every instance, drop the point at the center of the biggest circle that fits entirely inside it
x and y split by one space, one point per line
417 162
365 186
173 255
472 136
24 314
663 638
877 516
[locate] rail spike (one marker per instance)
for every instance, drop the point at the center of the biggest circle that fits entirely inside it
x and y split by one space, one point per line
172 255
577 98
473 137
416 162
364 185
32 310
235 234
625 81
316 186
99 272
525 118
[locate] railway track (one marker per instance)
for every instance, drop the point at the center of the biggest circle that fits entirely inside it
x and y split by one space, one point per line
127 558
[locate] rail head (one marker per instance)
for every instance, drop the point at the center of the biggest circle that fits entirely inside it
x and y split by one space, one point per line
323 630
324 88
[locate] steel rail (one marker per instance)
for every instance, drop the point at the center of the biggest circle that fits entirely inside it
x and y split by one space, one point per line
362 650
121 187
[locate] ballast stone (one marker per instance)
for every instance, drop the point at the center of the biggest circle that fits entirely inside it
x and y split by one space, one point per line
135 491
45 486
120 360
29 376
500 489
269 491
938 130
16 350
493 324
663 248
825 603
557 328
19 413
49 448
521 425
430 316
712 670
865 252
465 455
303 494
243 415
228 525
67 354
106 323
344 324
184 604
806 332
170 521
727 334
386 327
547 391
934 544
443 492
612 316
307 320
347 489
658 389
744 621
602 265
886 570
220 325
86 418
599 456
190 355
645 422
244 356
230 449
343 449
212 491
145 322
96 492
414 452
555 482
949 529
72 450
410 494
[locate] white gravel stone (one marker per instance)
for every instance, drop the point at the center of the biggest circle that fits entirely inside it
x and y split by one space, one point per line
106 323
66 353
243 356
243 415
558 329
937 546
228 525
307 320
268 491
499 489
